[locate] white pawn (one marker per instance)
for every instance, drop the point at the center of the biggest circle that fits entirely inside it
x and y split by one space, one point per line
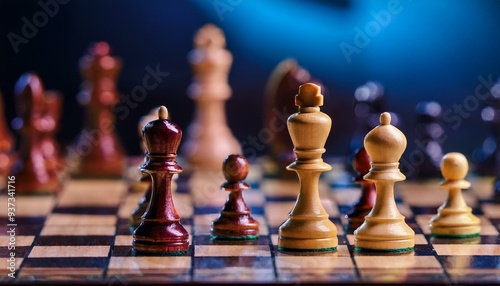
454 218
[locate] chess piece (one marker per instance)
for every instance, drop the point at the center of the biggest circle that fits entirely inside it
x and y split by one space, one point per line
429 134
102 155
7 155
356 215
144 184
308 227
281 87
369 102
454 218
384 228
209 137
487 157
235 220
49 146
160 230
33 175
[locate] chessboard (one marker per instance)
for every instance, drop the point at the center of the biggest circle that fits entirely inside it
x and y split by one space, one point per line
83 235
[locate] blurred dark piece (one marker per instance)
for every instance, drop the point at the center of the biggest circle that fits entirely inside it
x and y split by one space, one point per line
98 147
7 154
279 104
430 135
36 168
356 215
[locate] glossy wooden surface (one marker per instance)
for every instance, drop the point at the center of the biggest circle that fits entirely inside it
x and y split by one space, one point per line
308 227
384 228
235 220
160 230
454 217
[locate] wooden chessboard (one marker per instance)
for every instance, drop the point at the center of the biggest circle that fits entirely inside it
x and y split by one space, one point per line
82 235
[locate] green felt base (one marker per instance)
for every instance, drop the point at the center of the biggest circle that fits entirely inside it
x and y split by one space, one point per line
286 249
457 236
397 250
246 237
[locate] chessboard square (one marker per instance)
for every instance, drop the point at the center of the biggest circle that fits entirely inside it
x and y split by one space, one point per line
314 264
232 250
72 230
63 269
474 276
400 276
254 198
123 240
491 210
277 212
461 263
183 205
314 277
146 264
253 262
330 207
16 240
25 230
92 192
78 220
28 206
281 188
129 205
70 240
232 274
86 209
346 196
208 240
5 266
398 261
420 239
467 249
69 251
67 265
18 252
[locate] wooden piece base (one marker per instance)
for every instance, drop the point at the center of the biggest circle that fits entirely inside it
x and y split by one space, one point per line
384 235
169 238
297 234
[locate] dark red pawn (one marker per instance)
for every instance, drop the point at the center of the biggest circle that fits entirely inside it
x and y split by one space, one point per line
235 220
356 215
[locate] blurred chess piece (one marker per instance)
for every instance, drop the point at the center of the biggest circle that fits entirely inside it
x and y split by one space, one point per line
49 145
101 153
454 218
356 215
429 135
35 170
7 154
280 90
209 138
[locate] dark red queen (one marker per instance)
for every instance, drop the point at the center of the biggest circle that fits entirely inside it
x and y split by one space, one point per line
160 230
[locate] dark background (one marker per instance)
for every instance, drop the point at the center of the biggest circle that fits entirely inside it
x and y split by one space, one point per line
427 50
